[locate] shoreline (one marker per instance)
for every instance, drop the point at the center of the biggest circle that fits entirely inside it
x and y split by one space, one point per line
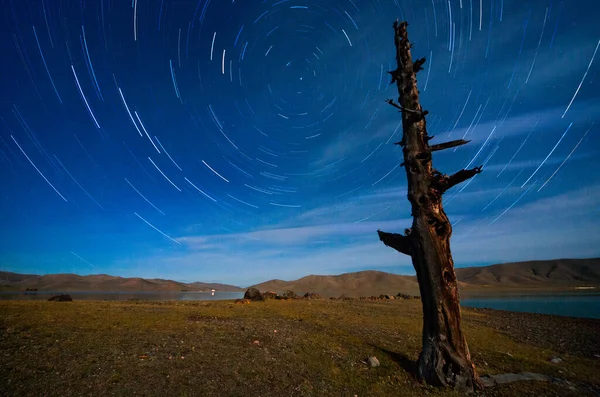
462 290
566 334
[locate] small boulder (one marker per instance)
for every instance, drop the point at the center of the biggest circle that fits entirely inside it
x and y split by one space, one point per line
403 296
373 362
312 295
556 360
289 294
242 301
61 298
269 295
493 380
253 294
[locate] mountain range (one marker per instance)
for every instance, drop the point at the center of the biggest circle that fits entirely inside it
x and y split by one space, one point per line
532 275
546 274
102 282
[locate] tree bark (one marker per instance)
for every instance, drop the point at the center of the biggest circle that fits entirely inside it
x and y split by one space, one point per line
445 359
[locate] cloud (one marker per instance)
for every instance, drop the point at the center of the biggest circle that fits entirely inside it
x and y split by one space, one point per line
384 194
243 269
562 226
548 119
353 206
518 165
526 232
295 236
356 139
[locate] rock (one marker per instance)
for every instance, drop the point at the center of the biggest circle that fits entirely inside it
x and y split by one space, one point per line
373 362
269 295
386 296
556 360
492 380
242 301
61 298
289 294
403 296
253 294
312 295
392 297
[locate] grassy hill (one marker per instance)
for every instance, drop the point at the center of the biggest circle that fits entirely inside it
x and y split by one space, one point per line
548 274
101 282
555 273
365 283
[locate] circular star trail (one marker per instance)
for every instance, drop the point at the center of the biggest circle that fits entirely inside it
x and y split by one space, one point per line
238 141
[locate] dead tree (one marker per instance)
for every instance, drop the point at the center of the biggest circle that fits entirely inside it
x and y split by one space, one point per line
445 359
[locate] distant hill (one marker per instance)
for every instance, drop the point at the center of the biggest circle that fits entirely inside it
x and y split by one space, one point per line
365 283
549 274
101 282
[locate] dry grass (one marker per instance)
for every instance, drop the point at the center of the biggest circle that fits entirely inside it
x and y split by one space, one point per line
272 348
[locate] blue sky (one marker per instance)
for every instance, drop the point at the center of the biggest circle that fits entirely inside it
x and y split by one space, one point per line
243 141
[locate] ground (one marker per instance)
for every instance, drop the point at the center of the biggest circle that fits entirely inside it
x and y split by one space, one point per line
273 348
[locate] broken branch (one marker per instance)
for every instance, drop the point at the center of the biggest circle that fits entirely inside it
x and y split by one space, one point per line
448 145
396 241
395 76
445 182
418 65
394 104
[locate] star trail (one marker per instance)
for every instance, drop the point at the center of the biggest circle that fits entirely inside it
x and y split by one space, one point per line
243 141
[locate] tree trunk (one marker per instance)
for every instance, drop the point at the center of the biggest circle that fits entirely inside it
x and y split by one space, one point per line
445 359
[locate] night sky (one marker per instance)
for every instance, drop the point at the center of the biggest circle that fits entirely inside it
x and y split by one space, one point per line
239 141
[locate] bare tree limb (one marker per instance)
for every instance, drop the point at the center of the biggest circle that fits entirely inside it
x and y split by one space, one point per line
395 76
462 176
448 145
397 106
396 241
444 182
418 65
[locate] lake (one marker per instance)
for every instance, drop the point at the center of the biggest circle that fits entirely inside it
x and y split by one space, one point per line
574 304
122 296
